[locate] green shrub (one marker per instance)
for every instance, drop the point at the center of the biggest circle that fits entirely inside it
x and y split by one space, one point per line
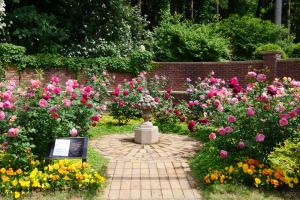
14 55
181 41
11 54
269 47
287 157
295 51
247 33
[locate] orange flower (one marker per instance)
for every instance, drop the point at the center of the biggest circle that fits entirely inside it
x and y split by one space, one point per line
274 182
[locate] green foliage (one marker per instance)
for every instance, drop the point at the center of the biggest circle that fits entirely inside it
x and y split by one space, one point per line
12 55
182 41
296 51
269 47
247 33
287 157
38 32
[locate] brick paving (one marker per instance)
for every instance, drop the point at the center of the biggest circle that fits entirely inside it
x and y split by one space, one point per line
157 171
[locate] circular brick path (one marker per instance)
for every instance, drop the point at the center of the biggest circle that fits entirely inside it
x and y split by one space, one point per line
157 171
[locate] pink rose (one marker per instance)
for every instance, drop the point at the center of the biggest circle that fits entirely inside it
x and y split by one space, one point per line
261 77
228 129
221 131
241 144
35 83
191 125
223 154
231 119
73 132
95 118
67 102
283 121
13 132
7 105
125 92
69 89
188 80
212 136
56 90
116 92
121 103
55 79
252 74
220 108
2 115
250 111
260 137
233 82
43 103
217 102
140 88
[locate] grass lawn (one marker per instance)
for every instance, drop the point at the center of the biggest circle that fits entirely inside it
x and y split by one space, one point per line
108 125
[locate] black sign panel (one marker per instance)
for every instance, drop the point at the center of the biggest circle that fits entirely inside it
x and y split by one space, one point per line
71 147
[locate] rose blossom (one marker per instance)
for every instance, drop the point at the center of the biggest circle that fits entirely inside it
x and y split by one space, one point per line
121 103
283 121
223 154
43 103
228 129
261 77
212 136
95 118
73 132
241 144
35 83
56 90
13 132
125 92
252 74
55 79
231 119
220 108
221 131
260 137
2 115
191 125
250 111
69 89
67 102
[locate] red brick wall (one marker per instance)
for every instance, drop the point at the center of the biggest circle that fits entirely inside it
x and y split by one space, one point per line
177 72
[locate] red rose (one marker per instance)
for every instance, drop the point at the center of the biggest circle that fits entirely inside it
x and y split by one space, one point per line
83 100
169 90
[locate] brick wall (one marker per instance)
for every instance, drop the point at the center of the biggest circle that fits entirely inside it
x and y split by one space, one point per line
177 72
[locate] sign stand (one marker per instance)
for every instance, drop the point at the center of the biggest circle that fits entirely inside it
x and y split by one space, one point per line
70 147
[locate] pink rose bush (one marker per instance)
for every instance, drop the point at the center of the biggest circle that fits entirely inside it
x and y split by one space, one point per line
32 116
250 120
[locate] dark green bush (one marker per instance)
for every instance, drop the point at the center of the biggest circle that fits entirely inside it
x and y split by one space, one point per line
140 61
247 33
182 41
269 47
295 51
38 32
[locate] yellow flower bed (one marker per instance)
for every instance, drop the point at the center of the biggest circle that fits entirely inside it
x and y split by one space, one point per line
63 175
252 171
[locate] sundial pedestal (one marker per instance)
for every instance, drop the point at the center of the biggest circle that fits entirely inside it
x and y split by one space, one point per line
146 133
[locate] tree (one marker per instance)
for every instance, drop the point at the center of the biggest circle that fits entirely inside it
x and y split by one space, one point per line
278 12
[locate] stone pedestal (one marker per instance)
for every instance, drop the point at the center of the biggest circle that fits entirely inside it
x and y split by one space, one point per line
146 133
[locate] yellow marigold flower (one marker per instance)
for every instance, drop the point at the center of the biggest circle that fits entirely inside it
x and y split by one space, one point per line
62 162
17 195
19 171
84 165
212 177
10 172
5 178
257 181
295 180
14 182
250 171
291 185
245 168
56 166
33 173
230 170
24 183
66 178
240 164
46 168
222 178
32 162
2 170
50 168
35 183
